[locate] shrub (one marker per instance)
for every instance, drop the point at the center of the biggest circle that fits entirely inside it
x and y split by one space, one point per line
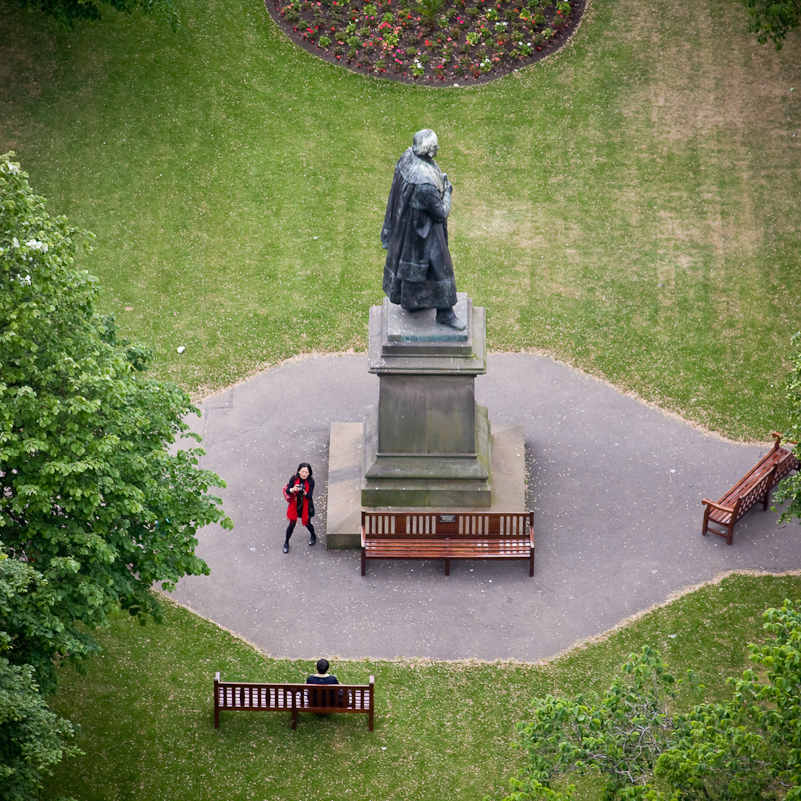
429 9
324 41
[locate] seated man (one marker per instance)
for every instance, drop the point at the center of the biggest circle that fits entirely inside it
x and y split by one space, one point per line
324 698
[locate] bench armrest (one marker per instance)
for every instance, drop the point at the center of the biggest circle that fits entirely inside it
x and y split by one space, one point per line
778 437
729 509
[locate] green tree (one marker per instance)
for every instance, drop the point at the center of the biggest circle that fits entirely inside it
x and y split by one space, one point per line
91 498
789 488
32 737
739 750
773 19
68 12
619 736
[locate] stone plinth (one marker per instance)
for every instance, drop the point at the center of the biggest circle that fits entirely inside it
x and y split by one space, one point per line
345 466
427 443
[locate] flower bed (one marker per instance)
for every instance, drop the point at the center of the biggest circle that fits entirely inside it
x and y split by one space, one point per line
429 41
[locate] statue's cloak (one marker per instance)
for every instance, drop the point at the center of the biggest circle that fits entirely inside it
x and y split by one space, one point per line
418 273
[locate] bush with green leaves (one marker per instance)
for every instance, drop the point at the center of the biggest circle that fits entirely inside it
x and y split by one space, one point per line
641 749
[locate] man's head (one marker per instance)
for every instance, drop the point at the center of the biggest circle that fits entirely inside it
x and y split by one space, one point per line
322 666
425 143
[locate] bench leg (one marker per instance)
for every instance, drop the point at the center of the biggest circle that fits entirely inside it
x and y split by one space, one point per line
730 533
364 565
447 567
531 565
705 526
294 717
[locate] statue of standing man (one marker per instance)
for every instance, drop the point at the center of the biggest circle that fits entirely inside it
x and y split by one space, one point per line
418 273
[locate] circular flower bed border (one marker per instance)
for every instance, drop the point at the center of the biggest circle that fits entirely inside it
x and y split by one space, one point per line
431 42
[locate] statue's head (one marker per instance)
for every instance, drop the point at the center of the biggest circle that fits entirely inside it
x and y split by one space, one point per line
425 143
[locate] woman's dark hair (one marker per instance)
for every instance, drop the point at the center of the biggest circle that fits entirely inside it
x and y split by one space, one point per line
305 464
322 664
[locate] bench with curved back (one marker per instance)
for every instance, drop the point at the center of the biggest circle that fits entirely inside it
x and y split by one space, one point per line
754 487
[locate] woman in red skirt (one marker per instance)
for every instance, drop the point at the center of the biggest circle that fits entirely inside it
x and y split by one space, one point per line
298 494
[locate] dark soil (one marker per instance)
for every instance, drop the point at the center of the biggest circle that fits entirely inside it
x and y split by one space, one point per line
432 42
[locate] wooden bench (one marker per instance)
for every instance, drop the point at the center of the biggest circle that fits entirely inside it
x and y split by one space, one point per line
237 696
753 488
407 534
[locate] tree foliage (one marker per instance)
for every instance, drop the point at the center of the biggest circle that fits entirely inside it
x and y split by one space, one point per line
90 497
790 488
97 502
739 750
32 737
68 12
773 19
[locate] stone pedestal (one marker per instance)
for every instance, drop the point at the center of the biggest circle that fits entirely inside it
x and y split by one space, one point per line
427 443
346 464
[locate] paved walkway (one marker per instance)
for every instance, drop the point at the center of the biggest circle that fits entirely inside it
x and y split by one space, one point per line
616 488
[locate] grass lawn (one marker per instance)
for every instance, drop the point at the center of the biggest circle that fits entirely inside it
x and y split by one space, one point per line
629 205
443 730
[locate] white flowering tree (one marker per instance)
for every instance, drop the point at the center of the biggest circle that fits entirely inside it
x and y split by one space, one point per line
92 502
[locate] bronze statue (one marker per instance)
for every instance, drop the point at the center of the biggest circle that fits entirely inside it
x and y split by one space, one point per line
418 273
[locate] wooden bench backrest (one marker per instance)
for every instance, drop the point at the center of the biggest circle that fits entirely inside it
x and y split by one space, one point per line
304 697
447 524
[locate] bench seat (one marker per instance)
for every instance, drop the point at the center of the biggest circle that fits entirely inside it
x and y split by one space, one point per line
447 536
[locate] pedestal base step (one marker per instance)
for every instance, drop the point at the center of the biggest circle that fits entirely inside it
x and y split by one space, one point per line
508 489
